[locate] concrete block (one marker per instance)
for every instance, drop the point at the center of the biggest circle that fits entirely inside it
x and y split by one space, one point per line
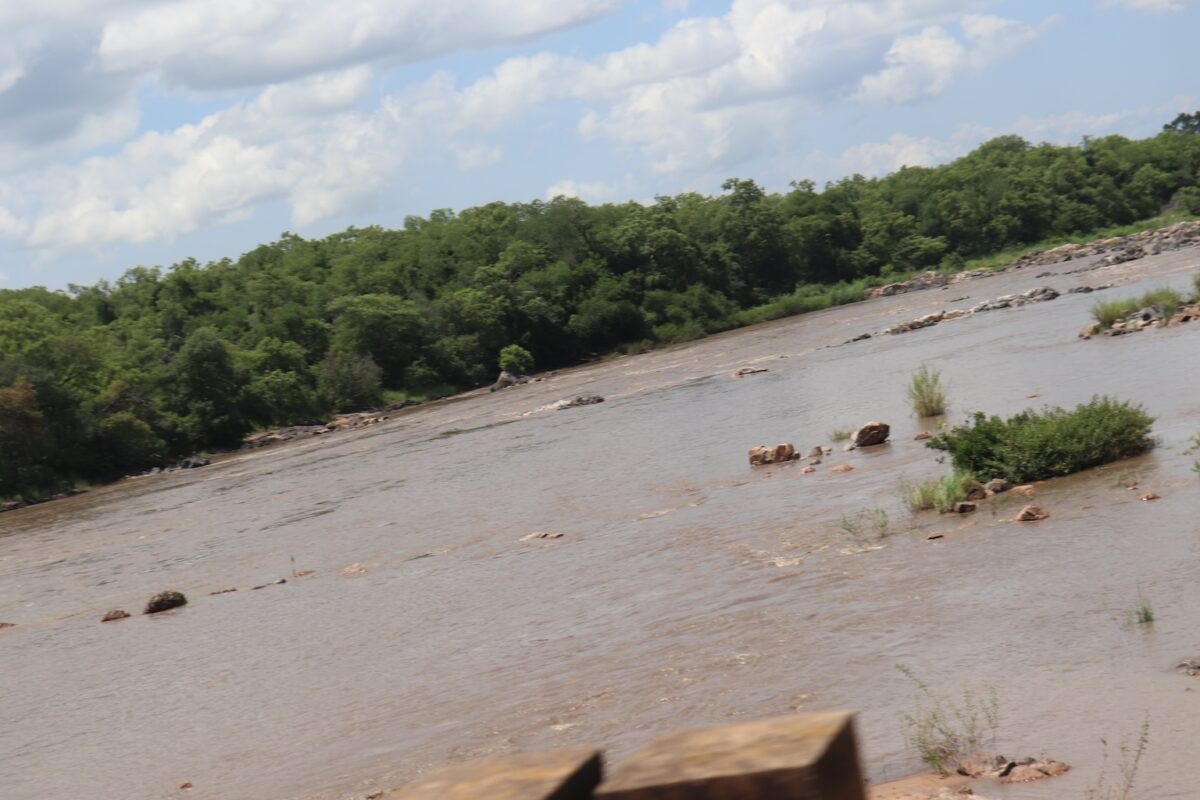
560 775
800 757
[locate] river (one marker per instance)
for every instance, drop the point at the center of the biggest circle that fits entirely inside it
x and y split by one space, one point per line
687 589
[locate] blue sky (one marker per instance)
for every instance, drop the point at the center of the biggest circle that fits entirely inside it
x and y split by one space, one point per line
144 132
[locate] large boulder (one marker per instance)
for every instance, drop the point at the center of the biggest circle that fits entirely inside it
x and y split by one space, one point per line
505 380
772 455
872 433
164 601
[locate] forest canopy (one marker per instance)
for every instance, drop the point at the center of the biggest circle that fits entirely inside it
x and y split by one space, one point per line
101 380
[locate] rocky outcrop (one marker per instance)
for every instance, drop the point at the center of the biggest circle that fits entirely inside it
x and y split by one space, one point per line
1039 295
926 321
581 400
164 601
871 434
925 280
1118 250
762 454
1004 770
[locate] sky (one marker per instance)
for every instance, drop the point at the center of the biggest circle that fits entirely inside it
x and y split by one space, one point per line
146 132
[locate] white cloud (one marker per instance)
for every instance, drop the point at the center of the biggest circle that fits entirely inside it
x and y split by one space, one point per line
302 142
70 70
926 63
1150 5
204 44
595 191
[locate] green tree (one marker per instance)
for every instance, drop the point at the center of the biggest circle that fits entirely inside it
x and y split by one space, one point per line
1184 123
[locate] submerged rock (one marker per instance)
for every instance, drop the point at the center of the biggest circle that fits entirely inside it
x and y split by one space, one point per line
165 601
115 614
737 373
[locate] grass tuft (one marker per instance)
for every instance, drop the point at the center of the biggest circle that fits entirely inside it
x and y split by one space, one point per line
840 434
1131 758
1143 613
940 493
926 393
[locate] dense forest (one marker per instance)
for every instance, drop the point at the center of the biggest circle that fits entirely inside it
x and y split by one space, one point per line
102 380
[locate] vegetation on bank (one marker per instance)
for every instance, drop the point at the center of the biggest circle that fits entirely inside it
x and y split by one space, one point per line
103 380
1106 312
1034 445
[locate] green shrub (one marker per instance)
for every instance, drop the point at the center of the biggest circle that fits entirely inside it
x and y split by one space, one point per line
840 434
1044 444
926 394
516 359
127 443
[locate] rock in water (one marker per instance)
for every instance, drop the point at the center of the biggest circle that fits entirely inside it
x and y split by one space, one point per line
505 380
772 455
164 601
1031 513
871 434
116 613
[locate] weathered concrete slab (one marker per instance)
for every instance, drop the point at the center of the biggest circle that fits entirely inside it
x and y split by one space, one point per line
560 775
801 757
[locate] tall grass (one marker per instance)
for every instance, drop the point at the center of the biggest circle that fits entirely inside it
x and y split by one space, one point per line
1106 312
940 493
1034 445
926 393
1131 759
944 732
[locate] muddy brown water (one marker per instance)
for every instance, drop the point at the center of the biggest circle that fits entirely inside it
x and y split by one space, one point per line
687 589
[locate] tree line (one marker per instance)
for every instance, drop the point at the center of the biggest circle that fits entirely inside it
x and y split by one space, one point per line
102 380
